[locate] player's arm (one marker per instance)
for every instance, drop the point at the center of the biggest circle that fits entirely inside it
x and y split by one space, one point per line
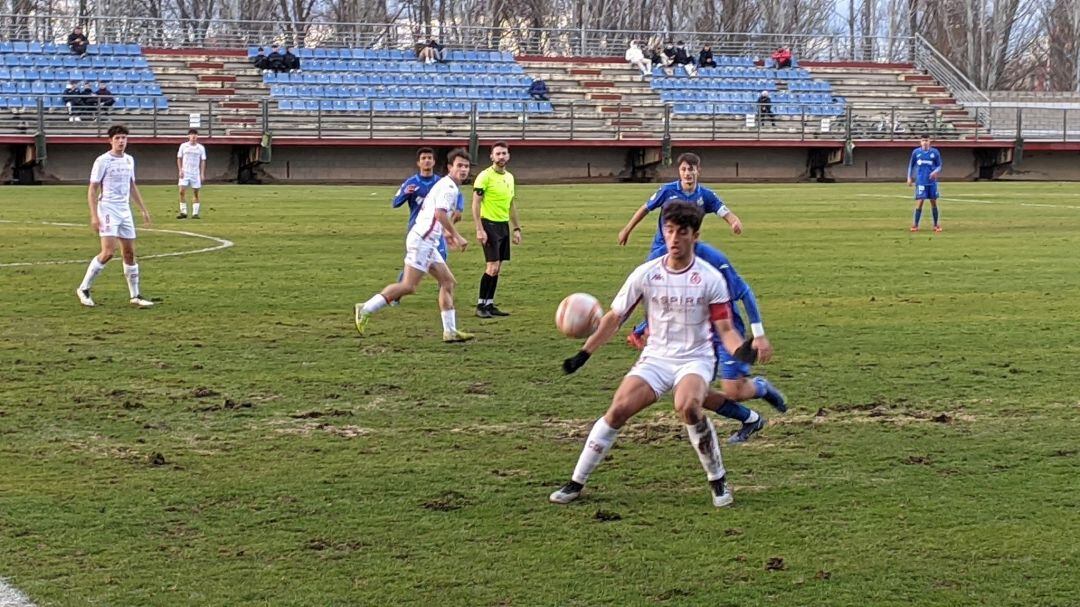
202 168
935 171
721 318
728 216
621 307
757 328
93 194
455 237
515 225
477 199
180 164
911 167
404 193
137 197
624 234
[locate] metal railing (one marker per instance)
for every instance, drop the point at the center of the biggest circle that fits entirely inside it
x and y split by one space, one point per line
251 116
559 41
962 88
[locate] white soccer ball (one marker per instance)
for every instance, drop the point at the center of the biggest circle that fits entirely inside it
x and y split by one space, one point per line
578 315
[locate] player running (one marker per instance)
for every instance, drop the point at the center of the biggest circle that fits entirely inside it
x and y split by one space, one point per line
686 300
415 189
191 165
112 186
924 168
422 254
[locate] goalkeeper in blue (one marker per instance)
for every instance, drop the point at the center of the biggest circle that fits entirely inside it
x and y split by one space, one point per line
924 168
414 189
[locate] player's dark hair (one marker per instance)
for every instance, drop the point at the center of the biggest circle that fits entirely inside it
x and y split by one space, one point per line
117 129
193 131
457 153
689 158
500 144
420 152
684 215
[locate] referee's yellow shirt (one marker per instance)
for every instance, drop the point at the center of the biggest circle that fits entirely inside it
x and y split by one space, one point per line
498 189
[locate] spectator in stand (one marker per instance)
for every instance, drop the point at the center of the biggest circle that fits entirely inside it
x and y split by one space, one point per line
260 61
764 104
432 52
275 61
538 90
77 41
654 55
705 57
291 61
667 58
683 58
782 57
636 57
71 100
104 98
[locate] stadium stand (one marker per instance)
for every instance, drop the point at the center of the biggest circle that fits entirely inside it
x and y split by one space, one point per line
33 72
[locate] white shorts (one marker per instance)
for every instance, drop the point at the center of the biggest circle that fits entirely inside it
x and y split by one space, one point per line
422 253
190 182
115 223
662 374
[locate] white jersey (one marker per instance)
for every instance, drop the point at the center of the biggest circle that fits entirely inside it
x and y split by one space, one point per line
193 155
680 307
115 174
442 196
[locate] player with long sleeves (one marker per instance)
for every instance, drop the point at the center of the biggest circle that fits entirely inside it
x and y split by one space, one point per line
924 168
688 303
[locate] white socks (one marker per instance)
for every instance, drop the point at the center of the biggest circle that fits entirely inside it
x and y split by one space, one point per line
752 419
374 304
597 446
91 273
703 438
449 321
195 208
131 274
183 208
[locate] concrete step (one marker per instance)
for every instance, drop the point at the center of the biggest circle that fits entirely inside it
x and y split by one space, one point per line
205 65
218 92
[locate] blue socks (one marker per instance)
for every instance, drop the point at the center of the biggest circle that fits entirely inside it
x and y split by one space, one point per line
761 387
934 211
733 410
918 216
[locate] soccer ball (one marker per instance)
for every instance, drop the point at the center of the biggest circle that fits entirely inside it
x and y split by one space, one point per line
578 315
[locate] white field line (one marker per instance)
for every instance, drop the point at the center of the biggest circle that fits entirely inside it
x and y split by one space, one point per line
10 597
977 201
221 244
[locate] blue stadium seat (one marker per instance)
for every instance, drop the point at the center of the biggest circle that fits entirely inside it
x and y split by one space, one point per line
20 48
7 47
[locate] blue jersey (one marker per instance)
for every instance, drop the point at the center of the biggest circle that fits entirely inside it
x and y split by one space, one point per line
737 287
701 196
416 199
923 162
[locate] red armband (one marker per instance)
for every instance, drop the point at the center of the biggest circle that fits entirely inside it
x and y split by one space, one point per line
719 311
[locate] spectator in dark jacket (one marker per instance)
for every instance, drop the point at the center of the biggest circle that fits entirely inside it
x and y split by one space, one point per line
104 98
764 104
705 57
260 61
683 58
291 61
538 90
71 100
77 41
275 60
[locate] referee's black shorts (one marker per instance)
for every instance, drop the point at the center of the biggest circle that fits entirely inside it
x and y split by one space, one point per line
498 240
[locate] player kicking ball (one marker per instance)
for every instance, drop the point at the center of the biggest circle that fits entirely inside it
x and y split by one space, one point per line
687 300
112 184
422 251
191 166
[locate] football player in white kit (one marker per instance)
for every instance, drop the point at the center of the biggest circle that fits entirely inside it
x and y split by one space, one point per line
422 251
191 165
686 301
112 184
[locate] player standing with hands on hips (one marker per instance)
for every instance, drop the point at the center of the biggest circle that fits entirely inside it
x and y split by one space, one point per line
924 170
112 185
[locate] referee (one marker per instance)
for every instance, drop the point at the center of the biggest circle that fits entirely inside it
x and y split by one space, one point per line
496 224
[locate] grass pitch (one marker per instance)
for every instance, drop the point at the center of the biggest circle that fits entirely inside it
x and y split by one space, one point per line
239 444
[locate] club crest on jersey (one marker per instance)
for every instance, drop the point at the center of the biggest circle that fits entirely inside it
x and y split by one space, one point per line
695 278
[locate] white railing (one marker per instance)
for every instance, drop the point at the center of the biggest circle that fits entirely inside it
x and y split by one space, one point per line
962 88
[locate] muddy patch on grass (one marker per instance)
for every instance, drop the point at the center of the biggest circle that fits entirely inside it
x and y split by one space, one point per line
309 428
446 502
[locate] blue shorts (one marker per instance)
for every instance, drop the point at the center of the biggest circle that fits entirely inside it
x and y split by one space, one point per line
729 368
926 192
